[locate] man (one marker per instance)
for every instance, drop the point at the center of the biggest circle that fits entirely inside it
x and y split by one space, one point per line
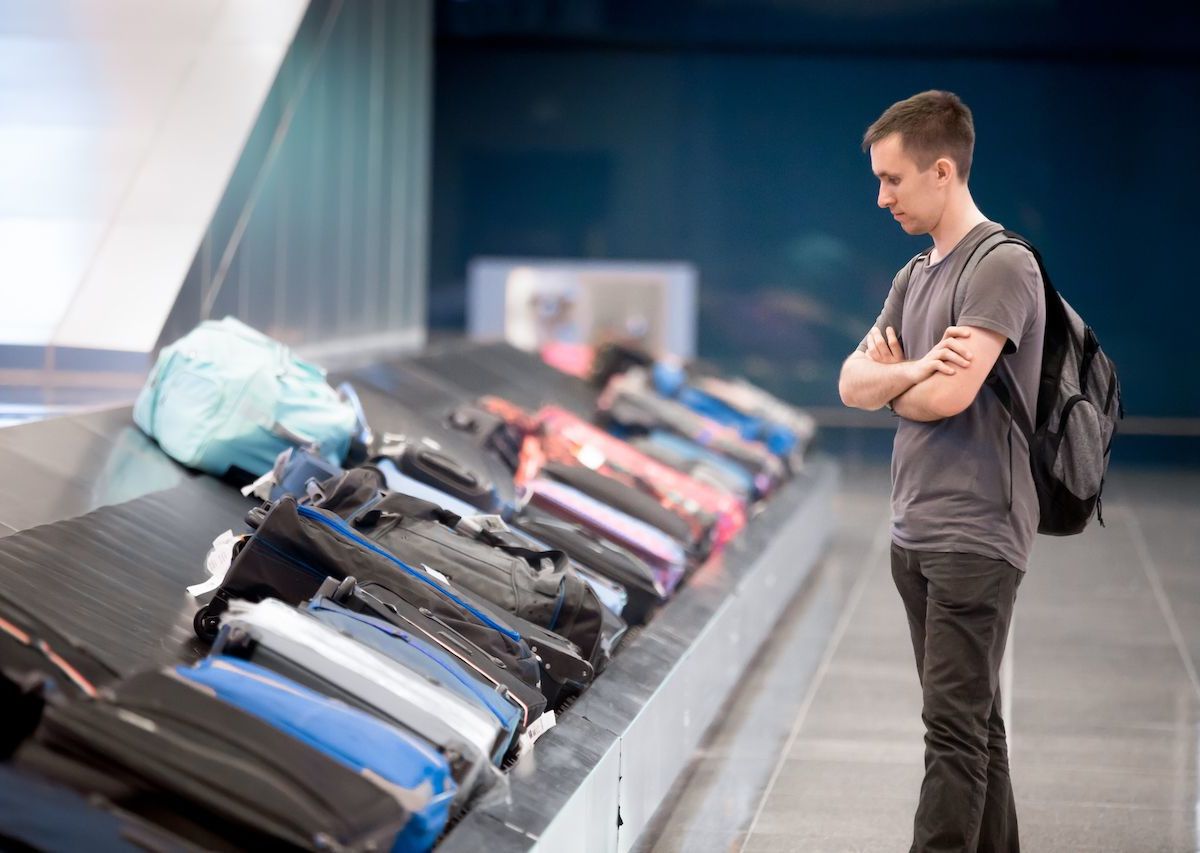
964 509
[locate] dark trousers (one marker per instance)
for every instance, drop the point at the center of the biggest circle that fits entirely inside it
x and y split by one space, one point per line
959 607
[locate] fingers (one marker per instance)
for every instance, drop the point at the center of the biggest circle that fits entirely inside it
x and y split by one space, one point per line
875 345
943 367
956 352
894 344
956 332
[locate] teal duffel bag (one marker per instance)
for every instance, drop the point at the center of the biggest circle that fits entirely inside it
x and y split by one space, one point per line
226 395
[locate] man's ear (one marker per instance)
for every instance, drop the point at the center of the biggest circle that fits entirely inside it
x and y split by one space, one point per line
944 170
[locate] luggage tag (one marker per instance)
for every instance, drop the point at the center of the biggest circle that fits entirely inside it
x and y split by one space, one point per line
217 562
591 456
261 488
537 728
437 575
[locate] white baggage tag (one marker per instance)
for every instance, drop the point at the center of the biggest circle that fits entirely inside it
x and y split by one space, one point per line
536 729
436 574
591 456
261 488
217 563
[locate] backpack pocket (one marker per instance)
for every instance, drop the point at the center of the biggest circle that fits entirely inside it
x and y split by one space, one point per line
186 413
1079 461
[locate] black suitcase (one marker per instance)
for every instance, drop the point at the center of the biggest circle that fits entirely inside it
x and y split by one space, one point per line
207 771
429 447
537 586
29 645
601 556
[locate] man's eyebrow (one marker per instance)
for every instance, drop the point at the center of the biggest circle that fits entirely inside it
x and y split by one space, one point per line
885 175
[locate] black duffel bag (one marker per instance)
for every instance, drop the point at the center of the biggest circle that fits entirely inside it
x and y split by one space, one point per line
601 556
538 586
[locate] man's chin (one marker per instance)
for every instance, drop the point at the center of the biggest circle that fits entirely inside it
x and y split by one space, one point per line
911 228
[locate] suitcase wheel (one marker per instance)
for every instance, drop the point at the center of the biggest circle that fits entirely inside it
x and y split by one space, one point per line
206 624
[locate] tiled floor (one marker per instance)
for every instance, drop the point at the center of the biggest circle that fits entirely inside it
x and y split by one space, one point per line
822 748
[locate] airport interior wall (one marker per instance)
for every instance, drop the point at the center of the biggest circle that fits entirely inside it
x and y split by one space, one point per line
742 155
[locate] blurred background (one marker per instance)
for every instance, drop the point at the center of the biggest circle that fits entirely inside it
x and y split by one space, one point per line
328 171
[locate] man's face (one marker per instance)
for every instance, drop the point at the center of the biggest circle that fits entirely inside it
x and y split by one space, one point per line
914 197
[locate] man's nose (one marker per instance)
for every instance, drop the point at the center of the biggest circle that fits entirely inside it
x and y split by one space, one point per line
885 198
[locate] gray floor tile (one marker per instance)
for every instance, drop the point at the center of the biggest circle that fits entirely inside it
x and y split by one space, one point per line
1111 828
1105 724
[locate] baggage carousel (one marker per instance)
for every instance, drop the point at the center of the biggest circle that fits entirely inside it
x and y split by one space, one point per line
101 533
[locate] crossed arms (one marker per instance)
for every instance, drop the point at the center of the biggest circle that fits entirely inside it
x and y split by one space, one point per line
938 385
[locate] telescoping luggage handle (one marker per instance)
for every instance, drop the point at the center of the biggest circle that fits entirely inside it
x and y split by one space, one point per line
340 591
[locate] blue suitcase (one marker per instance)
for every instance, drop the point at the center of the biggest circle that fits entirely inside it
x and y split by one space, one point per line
672 382
416 773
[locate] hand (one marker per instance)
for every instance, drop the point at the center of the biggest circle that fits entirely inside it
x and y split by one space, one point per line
884 349
949 354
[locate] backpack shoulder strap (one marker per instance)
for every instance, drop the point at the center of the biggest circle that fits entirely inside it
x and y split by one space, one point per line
902 277
988 244
978 252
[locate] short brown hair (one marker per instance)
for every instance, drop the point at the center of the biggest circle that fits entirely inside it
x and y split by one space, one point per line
931 124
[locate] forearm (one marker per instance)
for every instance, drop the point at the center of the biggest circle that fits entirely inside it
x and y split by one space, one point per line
923 401
867 384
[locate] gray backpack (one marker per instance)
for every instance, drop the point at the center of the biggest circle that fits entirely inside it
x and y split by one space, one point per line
1078 405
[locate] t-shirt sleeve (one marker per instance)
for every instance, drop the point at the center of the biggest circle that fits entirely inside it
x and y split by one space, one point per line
893 310
1002 294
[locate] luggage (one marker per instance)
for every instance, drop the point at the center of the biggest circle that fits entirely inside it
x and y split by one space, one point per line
611 594
538 586
630 403
556 435
29 646
697 462
37 664
395 480
619 495
295 548
36 814
488 432
415 773
663 554
754 413
226 396
429 448
680 493
295 472
422 657
378 603
160 748
304 649
447 473
643 588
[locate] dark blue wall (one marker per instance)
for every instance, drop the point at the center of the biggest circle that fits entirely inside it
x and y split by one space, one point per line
748 164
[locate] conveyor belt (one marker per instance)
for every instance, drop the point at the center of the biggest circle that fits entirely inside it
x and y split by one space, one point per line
507 372
115 579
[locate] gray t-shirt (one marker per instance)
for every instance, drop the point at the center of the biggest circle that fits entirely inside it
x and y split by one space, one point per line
950 478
